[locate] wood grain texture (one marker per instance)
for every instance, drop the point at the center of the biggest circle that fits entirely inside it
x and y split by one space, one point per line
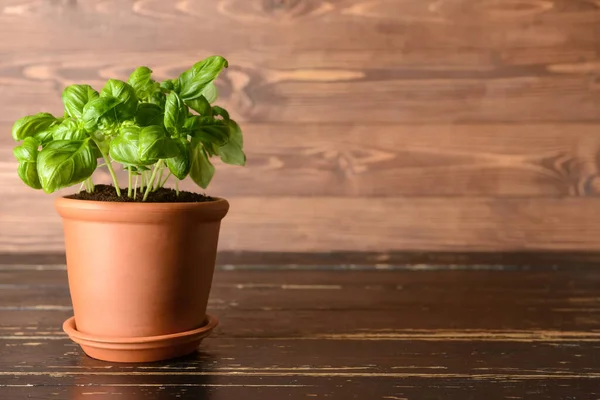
397 160
362 260
500 333
340 91
360 224
325 173
385 106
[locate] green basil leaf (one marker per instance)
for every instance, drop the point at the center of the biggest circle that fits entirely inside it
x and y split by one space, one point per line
45 136
233 153
27 154
32 125
63 163
69 129
27 151
27 171
212 149
200 105
128 123
193 81
75 97
169 84
210 92
143 84
154 144
140 78
208 129
149 114
175 113
202 170
108 126
97 108
125 94
221 112
124 148
158 98
180 165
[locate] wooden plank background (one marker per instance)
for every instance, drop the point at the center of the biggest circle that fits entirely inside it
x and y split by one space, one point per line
370 125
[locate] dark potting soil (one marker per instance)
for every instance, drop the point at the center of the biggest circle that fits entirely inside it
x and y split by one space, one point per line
162 195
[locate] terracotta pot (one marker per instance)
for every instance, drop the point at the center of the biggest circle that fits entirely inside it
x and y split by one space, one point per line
140 272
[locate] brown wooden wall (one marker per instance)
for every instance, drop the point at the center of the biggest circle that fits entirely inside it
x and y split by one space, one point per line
370 125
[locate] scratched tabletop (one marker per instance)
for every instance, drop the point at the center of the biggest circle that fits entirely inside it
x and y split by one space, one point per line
331 332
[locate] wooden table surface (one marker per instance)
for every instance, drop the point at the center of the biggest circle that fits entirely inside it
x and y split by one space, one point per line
340 332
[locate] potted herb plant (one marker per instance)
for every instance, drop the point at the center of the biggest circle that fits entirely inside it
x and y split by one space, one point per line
140 259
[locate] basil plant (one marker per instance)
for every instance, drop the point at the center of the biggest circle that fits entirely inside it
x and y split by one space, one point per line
154 130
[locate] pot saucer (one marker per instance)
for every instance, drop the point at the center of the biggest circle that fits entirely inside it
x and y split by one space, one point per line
140 349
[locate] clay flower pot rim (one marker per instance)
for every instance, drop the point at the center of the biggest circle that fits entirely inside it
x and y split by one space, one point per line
120 204
70 328
107 211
